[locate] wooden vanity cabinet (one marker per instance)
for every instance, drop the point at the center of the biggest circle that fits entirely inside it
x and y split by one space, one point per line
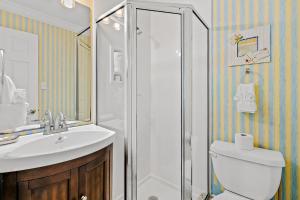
86 178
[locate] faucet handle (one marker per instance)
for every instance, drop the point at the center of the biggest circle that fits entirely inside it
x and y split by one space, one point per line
47 123
61 120
62 116
43 123
48 115
48 119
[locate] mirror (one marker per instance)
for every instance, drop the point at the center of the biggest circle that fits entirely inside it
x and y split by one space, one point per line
45 62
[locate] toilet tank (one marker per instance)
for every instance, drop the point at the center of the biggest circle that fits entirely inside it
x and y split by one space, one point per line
254 174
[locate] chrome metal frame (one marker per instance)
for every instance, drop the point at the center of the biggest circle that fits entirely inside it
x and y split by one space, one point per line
130 135
2 54
186 179
186 12
77 72
209 105
2 65
209 110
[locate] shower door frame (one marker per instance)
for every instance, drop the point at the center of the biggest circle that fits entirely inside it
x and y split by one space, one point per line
131 47
186 13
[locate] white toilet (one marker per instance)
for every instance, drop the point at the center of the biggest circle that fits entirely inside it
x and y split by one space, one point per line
245 175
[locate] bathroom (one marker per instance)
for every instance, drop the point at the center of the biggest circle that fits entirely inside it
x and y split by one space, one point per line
149 99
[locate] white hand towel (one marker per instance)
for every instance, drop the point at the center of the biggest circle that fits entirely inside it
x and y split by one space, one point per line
12 115
7 90
245 97
19 96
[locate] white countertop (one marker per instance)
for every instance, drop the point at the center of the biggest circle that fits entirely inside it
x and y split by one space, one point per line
38 150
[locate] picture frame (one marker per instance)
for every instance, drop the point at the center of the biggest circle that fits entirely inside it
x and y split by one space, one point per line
250 46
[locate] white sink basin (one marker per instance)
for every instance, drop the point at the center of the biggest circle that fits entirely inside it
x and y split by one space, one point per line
39 150
58 143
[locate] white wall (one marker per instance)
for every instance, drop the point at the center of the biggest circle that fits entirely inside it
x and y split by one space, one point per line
204 7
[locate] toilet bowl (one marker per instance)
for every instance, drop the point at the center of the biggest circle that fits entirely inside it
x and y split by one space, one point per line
245 175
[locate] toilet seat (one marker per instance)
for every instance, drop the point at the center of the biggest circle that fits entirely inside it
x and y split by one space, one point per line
226 195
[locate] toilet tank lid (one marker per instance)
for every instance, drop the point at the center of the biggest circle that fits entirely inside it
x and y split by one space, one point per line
257 155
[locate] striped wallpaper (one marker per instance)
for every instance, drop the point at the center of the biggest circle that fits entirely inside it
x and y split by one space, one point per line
57 48
84 80
275 125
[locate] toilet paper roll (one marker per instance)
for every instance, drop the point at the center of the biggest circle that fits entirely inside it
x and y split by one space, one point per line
244 141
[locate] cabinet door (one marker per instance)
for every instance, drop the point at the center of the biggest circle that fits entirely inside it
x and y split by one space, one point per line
59 186
94 179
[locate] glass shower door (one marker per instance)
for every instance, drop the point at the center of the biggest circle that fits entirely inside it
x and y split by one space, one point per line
159 105
111 80
152 89
199 144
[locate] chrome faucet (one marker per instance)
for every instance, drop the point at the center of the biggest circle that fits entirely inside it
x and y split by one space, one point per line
47 123
50 126
60 123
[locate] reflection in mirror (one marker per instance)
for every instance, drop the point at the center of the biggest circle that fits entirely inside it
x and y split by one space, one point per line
45 62
84 72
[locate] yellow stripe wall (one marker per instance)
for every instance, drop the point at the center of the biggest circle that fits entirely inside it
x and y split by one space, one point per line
275 125
56 60
87 3
84 78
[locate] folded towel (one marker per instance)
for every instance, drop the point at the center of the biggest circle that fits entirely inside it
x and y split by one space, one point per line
12 115
7 90
19 96
245 97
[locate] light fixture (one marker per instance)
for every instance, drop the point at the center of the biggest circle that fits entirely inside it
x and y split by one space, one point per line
106 20
119 13
68 3
117 26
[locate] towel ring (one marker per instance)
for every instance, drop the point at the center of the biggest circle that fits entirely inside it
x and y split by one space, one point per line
248 71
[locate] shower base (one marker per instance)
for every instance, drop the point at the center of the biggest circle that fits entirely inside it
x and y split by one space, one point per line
155 188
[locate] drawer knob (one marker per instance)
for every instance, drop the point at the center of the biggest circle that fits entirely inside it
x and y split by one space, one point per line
84 198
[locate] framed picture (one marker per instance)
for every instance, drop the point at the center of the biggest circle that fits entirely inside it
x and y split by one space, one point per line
244 46
250 47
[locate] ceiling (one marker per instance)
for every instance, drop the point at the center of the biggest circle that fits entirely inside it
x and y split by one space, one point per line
51 12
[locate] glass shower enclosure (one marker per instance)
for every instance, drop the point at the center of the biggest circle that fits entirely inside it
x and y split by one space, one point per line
152 89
